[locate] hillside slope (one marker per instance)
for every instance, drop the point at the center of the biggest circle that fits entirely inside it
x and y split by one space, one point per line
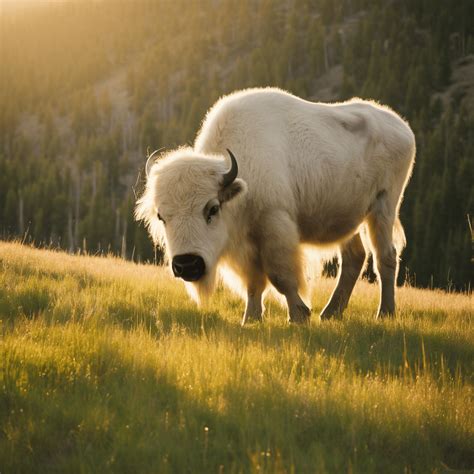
107 366
87 87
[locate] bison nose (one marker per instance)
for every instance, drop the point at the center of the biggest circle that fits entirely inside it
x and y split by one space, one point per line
189 267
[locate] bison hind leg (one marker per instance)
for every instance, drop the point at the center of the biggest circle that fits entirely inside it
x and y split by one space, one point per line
387 240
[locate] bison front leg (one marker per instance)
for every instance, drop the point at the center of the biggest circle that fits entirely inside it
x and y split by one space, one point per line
255 287
352 261
282 262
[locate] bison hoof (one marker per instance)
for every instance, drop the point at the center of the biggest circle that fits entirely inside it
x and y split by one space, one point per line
385 315
251 318
329 313
299 314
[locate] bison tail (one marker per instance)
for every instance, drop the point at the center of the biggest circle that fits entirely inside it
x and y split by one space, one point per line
399 239
398 236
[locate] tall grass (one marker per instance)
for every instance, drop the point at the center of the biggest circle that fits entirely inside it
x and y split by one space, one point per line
107 366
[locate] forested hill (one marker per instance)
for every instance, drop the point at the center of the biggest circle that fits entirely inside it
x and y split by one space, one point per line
87 87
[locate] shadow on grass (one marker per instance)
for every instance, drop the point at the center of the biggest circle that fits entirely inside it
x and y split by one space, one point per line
369 346
31 298
107 414
400 348
82 277
23 302
115 416
363 344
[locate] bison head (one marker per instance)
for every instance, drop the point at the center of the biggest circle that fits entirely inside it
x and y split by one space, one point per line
186 207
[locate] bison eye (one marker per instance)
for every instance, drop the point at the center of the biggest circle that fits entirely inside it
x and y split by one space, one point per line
160 218
212 212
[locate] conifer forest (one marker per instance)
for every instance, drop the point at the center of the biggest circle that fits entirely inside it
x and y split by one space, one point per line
89 88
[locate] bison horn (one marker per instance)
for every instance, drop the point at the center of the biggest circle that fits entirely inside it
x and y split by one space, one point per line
230 176
151 161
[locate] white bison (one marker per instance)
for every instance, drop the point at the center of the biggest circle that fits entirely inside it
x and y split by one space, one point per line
270 172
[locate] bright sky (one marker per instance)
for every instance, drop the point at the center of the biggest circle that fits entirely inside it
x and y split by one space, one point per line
12 5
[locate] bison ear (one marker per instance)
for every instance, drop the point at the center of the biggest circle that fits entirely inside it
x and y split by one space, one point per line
236 188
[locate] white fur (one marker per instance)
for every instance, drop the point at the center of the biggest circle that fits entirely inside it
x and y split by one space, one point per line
314 169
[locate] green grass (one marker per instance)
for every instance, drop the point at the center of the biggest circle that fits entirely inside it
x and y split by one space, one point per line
107 366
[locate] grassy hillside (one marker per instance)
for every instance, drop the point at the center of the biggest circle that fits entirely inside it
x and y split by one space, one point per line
106 366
